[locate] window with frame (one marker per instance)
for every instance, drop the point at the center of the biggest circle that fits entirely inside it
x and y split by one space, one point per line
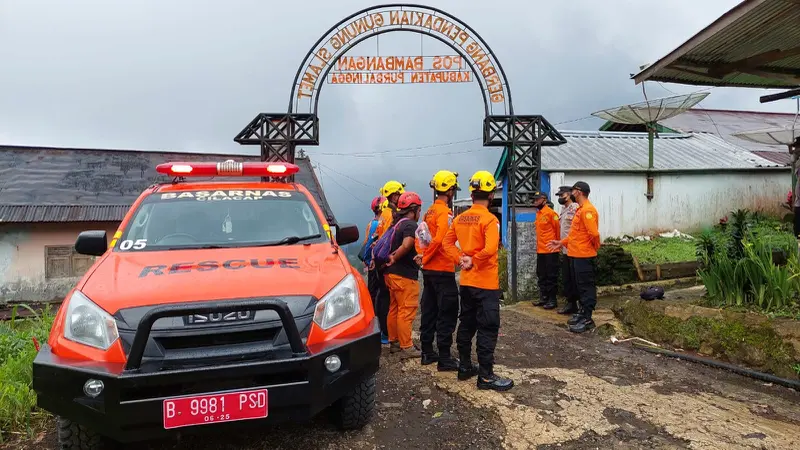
62 261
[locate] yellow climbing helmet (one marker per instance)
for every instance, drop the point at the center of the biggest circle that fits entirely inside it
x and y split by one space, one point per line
392 187
444 180
482 181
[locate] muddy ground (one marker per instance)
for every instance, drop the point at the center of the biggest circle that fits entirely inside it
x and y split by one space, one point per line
573 392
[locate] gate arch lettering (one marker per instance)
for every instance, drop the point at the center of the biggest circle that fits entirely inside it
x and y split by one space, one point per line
377 20
278 134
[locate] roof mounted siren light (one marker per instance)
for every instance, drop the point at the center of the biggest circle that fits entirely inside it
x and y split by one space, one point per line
229 168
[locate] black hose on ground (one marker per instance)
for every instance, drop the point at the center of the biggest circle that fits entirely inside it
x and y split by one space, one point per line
721 365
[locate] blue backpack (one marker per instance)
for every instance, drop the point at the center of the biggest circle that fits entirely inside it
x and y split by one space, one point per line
365 255
383 248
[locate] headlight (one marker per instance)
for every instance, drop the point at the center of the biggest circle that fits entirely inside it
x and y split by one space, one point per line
88 324
338 305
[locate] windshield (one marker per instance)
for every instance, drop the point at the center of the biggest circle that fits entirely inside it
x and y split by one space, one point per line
219 219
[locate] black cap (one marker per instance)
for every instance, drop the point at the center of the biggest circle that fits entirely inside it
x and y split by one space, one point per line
564 190
582 186
539 195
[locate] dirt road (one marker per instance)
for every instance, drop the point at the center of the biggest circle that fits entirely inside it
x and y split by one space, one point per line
573 392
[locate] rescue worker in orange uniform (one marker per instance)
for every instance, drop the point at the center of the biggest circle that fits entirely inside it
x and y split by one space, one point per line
477 232
391 191
582 244
548 229
439 304
402 277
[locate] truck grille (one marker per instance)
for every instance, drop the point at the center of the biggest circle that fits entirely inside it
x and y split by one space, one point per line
175 343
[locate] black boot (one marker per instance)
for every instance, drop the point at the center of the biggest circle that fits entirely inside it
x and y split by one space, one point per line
447 364
429 357
582 325
575 318
466 369
551 304
540 302
495 383
569 308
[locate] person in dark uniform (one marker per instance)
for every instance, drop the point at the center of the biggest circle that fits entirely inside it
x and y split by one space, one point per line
582 244
568 210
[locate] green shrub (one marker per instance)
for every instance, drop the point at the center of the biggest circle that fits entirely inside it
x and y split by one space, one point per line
17 352
750 263
753 279
614 266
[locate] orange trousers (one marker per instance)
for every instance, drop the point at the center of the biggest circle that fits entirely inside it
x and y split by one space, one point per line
403 304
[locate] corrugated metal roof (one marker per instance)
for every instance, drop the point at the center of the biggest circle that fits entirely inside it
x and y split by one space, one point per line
751 28
782 158
724 123
609 151
44 178
62 213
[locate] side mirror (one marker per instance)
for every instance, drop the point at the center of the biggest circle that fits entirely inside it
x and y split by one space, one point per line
92 243
346 234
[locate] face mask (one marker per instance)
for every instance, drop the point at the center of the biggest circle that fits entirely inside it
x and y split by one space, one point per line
540 206
572 197
562 201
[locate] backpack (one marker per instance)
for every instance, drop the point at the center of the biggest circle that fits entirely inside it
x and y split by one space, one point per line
652 293
365 254
383 248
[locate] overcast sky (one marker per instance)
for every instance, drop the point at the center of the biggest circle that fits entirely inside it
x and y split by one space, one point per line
187 75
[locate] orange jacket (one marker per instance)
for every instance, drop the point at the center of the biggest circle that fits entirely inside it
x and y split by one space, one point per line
583 239
478 233
438 218
548 229
387 217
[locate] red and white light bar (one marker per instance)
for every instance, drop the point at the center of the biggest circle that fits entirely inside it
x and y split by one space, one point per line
228 168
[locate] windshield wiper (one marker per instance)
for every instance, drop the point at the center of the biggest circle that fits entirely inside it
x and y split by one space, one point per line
289 240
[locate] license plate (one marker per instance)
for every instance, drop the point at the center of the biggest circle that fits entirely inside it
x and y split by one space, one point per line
215 408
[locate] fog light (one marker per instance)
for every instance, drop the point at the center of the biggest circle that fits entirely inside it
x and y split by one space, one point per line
333 363
93 388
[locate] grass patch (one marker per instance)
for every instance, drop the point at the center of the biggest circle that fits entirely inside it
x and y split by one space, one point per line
729 339
17 352
662 250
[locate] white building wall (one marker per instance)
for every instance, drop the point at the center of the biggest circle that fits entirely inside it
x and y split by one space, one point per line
686 201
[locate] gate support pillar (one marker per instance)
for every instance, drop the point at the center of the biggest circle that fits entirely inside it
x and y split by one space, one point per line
279 134
523 136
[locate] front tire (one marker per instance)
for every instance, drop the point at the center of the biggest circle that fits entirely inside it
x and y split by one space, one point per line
77 437
354 410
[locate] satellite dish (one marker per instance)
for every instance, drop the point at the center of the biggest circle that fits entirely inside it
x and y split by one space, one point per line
651 111
648 113
787 135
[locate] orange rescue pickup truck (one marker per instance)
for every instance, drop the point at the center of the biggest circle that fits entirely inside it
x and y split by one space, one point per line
214 303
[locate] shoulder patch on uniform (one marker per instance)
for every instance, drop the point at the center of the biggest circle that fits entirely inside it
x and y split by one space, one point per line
589 215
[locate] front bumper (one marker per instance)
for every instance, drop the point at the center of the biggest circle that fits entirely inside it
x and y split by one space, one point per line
130 406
